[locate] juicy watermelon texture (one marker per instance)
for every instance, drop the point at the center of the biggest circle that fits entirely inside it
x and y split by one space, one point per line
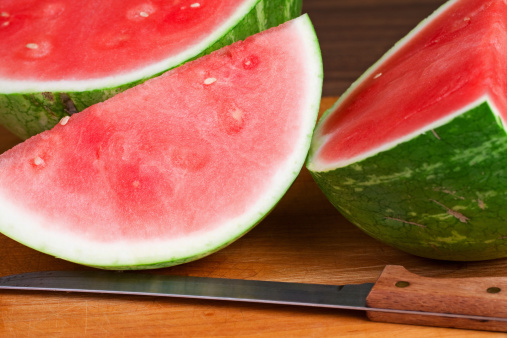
98 62
415 152
456 58
44 40
175 168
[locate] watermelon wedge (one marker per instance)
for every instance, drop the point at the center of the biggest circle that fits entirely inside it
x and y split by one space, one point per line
415 151
59 57
175 168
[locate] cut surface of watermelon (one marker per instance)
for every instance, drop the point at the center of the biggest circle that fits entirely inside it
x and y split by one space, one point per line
90 50
172 169
402 153
379 111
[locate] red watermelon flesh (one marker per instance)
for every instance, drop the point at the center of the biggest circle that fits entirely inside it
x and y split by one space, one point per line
442 79
172 169
414 153
50 37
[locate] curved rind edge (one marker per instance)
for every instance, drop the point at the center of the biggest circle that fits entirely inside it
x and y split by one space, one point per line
438 195
193 247
29 111
318 141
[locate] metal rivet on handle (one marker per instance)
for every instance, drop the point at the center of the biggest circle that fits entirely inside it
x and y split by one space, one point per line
493 289
402 284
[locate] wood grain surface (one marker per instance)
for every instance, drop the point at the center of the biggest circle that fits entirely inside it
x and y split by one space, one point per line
399 289
353 34
303 240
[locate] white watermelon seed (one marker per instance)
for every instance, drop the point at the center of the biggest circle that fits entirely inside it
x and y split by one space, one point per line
136 184
4 14
237 114
144 14
64 120
195 5
38 161
209 80
32 45
377 76
5 24
467 19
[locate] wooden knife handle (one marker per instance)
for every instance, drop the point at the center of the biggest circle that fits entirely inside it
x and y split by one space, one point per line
400 289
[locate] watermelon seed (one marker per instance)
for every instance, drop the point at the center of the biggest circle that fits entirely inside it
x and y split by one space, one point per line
195 5
144 14
4 14
64 120
377 76
237 114
209 80
32 45
250 62
38 161
5 24
136 184
466 19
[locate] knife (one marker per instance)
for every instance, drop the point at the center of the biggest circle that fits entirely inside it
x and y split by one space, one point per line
398 296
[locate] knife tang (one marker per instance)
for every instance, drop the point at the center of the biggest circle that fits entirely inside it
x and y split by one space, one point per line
399 289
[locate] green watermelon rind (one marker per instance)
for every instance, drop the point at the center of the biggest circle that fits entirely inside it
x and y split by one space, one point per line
17 223
313 164
29 108
412 193
454 172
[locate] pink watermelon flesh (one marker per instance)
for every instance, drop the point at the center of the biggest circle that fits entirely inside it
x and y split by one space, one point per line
183 154
445 66
50 37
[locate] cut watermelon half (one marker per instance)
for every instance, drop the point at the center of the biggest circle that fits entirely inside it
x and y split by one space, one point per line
175 168
415 152
59 57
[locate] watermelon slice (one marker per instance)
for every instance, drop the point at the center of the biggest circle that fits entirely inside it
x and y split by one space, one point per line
59 57
175 168
415 152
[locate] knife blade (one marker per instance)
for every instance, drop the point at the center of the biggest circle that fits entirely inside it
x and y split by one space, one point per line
398 296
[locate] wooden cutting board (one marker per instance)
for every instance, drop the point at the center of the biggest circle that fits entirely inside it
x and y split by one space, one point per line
303 240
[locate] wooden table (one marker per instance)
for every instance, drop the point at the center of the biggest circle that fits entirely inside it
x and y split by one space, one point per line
303 240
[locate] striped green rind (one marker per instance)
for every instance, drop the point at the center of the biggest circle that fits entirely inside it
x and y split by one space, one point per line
27 114
25 228
441 195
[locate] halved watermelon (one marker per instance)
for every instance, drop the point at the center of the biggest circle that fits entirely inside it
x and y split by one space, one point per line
59 57
415 152
172 169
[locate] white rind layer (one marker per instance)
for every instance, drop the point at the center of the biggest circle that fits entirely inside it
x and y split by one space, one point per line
319 141
25 226
18 86
317 166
